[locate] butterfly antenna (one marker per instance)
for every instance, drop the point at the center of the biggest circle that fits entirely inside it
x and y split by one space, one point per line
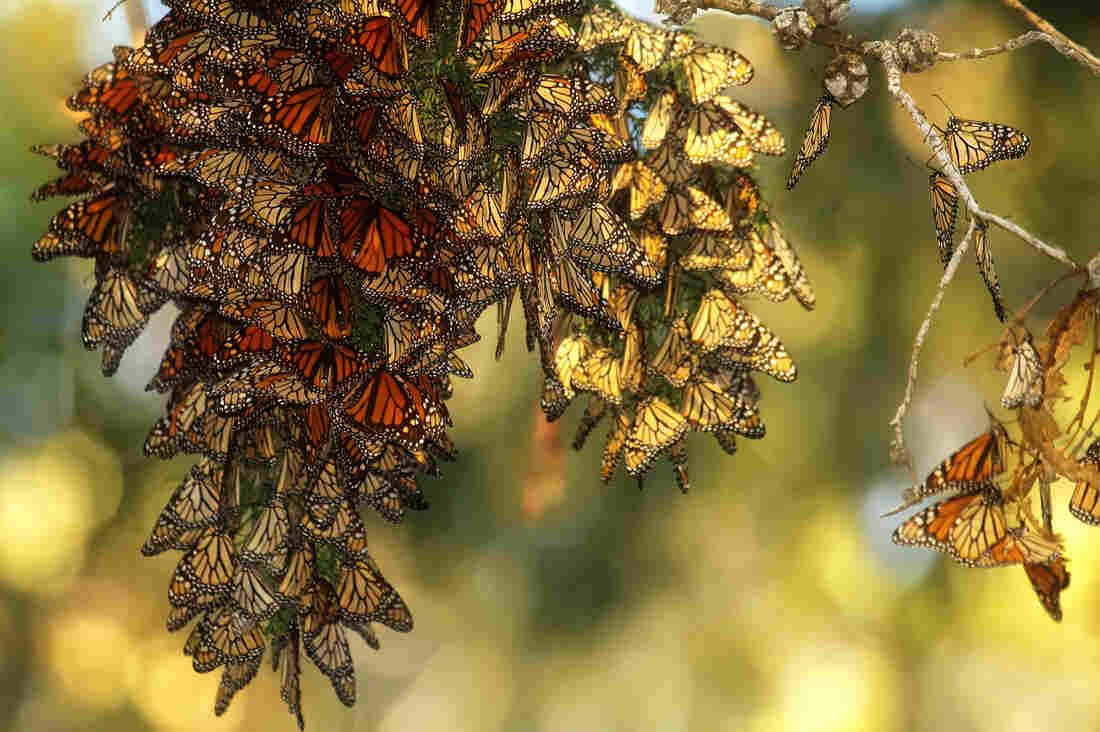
949 110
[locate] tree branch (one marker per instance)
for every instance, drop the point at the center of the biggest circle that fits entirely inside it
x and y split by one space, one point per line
1041 23
898 451
1070 50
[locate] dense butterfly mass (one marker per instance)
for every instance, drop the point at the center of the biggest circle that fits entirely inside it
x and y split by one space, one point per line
987 518
687 237
330 194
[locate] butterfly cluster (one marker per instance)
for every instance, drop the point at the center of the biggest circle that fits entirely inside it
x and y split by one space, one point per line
681 356
331 193
988 520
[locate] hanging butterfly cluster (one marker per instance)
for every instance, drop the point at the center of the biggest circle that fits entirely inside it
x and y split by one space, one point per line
990 521
677 358
331 193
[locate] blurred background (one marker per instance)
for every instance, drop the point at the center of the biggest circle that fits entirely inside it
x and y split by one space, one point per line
768 598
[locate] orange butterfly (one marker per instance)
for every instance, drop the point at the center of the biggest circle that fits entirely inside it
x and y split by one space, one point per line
966 527
968 468
389 404
1048 581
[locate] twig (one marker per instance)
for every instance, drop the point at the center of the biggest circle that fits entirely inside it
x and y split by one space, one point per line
1046 27
901 455
1021 314
1070 50
1051 251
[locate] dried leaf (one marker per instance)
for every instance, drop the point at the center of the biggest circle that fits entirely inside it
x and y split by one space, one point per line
1069 328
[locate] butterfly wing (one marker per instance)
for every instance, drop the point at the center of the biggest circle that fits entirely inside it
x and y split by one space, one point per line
816 139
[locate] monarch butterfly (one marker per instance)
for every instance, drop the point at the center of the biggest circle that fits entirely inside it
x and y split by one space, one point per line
945 208
262 382
223 638
302 119
707 252
388 404
622 301
95 225
646 187
621 423
418 16
968 468
600 27
593 415
326 366
195 504
657 426
600 374
659 120
475 16
483 215
688 208
117 309
375 40
573 98
190 426
630 84
816 139
276 318
196 335
371 235
766 353
70 184
207 569
710 69
647 45
975 145
762 135
1048 581
710 408
1020 545
800 283
1025 377
364 596
674 360
670 163
563 178
632 368
107 89
325 641
655 246
572 287
266 543
718 322
542 42
710 135
1085 503
290 687
299 571
966 527
753 267
571 353
983 253
602 241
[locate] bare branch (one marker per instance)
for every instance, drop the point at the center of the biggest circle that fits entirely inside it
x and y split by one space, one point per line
898 422
1051 251
1070 50
1039 22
